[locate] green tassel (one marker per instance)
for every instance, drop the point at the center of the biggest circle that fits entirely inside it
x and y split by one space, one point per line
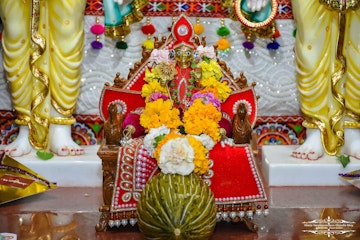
223 31
121 45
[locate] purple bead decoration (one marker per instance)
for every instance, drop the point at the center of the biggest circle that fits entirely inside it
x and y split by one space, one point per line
248 45
96 45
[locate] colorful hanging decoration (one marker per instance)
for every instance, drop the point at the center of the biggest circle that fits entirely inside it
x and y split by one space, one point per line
258 24
97 29
198 27
148 29
121 44
223 44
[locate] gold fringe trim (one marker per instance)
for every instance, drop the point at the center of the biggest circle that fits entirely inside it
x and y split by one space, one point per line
117 31
341 5
124 29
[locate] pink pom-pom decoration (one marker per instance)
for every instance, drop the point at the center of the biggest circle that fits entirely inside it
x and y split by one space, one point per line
134 120
226 124
97 29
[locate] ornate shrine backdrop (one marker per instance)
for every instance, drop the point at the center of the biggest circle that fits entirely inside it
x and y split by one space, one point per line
274 71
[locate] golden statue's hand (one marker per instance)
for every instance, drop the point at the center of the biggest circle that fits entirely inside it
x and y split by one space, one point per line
256 5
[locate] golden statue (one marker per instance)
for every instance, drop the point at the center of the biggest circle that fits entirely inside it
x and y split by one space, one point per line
43 50
327 59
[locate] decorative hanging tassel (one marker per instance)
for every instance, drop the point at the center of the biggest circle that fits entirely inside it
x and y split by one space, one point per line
248 44
148 29
198 27
274 45
173 19
223 45
97 29
121 44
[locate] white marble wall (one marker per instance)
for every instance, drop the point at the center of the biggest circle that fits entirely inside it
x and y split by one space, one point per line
274 72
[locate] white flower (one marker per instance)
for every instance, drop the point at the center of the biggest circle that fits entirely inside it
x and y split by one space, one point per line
206 140
176 157
159 56
150 138
208 52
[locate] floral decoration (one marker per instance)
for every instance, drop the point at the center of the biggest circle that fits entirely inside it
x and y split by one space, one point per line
202 118
180 140
181 154
160 55
152 88
210 68
158 113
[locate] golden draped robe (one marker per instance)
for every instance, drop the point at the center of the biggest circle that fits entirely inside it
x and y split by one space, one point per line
327 49
43 49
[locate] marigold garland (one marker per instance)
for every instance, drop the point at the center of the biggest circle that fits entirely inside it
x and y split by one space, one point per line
158 113
202 118
151 88
222 88
210 69
151 75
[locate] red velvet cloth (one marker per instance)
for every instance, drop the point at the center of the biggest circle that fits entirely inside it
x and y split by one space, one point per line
236 177
246 96
127 100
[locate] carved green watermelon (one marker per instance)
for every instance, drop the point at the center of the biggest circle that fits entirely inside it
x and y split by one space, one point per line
173 206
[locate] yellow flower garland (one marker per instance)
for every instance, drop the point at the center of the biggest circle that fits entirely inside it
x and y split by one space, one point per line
210 69
152 87
199 118
158 113
222 88
202 118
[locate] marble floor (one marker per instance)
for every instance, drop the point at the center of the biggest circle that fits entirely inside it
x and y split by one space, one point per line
72 213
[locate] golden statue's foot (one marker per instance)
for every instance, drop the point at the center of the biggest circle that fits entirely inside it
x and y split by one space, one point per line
21 146
352 143
61 142
312 148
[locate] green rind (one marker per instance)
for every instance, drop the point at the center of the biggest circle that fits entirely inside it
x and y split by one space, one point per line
172 201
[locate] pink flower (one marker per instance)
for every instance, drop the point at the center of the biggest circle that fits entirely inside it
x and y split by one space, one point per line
206 98
155 96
